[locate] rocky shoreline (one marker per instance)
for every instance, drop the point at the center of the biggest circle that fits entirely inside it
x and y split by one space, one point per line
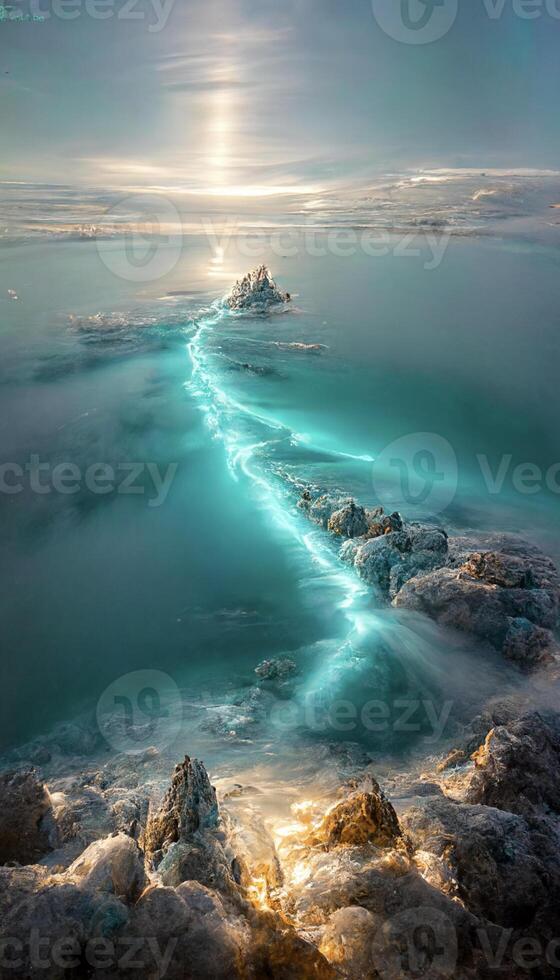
497 587
459 876
448 869
455 873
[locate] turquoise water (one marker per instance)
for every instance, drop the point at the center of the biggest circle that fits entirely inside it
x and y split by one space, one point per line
227 571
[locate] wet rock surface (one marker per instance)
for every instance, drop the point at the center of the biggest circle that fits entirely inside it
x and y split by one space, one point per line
466 861
279 668
497 587
27 826
114 865
517 767
256 292
189 805
349 522
366 816
448 872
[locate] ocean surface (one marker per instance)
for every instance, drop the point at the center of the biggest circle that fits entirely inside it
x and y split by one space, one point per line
196 585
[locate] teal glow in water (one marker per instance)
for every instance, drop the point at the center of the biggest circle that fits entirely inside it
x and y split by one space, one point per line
228 571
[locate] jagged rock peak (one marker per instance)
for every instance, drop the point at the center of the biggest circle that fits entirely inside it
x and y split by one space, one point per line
365 816
256 291
189 805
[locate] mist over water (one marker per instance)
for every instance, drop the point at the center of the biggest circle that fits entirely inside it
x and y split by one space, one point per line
227 571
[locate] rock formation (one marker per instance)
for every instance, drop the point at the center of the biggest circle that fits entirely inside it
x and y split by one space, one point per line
114 865
365 816
349 522
27 826
190 805
256 292
279 668
453 878
452 886
110 900
182 838
508 594
498 587
517 767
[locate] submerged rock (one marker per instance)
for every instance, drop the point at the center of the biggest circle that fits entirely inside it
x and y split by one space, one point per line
257 292
278 668
28 829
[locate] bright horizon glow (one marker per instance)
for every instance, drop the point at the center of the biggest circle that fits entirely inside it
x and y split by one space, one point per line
240 190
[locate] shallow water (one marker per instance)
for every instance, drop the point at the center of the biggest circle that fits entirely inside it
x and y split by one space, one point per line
227 571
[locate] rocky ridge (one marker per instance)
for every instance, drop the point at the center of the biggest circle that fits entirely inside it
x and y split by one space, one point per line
497 587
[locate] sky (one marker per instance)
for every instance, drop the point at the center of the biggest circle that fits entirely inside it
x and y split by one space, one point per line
251 98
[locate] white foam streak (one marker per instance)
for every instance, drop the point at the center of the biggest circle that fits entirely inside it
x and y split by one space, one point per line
220 409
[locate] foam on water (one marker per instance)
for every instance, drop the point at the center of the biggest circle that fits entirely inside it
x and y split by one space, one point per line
225 416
